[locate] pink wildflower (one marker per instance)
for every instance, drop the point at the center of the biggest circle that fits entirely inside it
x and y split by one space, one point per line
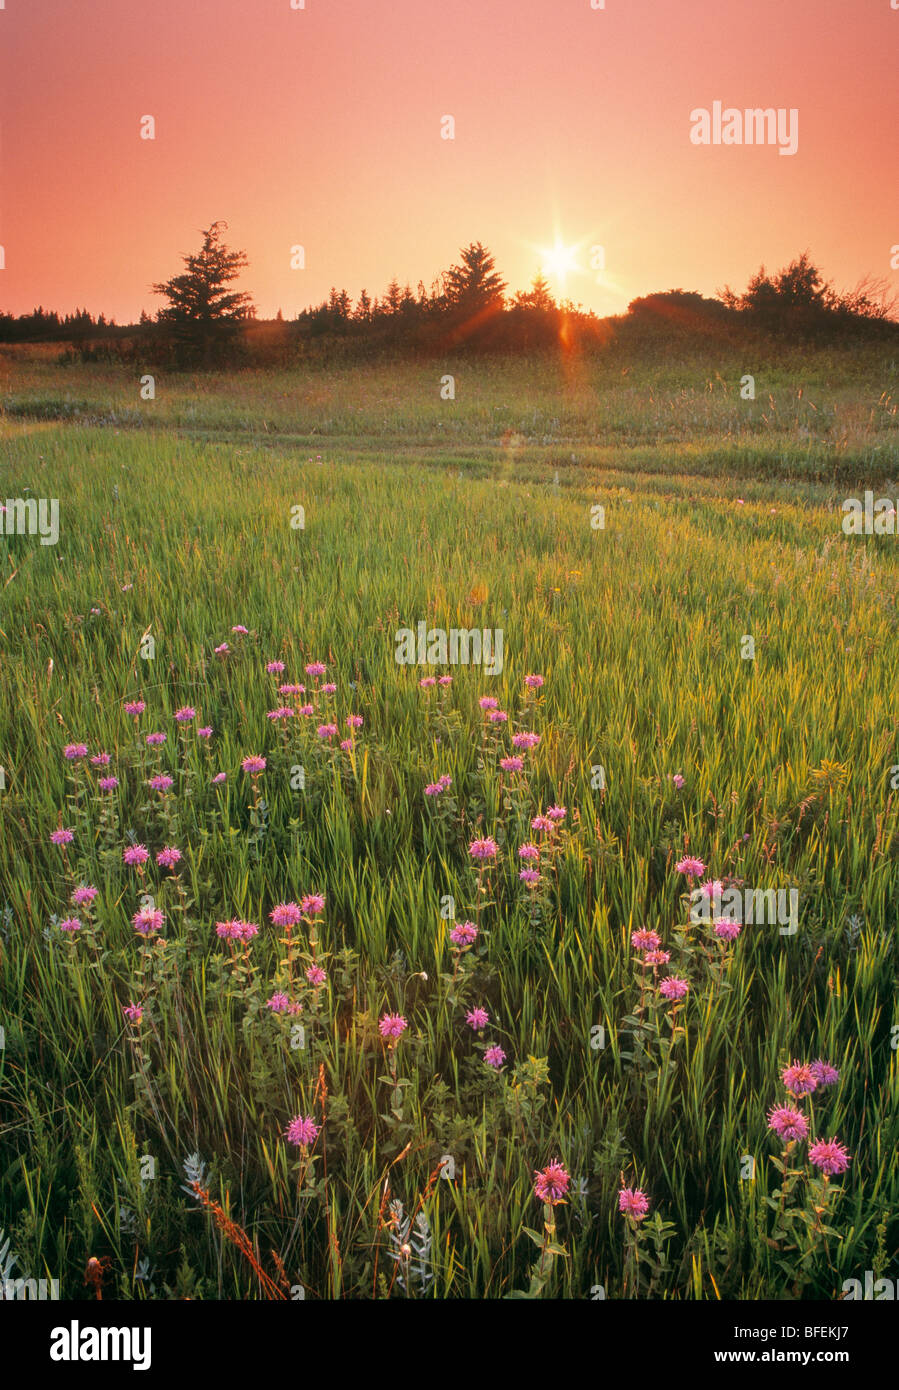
645 940
787 1123
392 1025
147 920
302 1131
286 915
799 1079
551 1184
673 988
830 1156
633 1202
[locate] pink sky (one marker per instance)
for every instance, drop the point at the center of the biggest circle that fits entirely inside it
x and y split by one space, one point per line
322 127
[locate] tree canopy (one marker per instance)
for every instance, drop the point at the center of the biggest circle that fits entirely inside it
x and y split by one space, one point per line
202 313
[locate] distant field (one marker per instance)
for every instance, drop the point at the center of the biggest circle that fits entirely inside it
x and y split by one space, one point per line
721 523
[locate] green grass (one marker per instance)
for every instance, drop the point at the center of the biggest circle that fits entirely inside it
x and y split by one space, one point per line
462 514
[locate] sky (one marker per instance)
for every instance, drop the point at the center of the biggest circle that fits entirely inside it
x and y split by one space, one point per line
322 127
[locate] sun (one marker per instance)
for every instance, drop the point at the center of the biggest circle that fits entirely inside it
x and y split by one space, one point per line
559 261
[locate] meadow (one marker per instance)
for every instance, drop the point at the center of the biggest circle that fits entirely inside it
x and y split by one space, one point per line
213 1104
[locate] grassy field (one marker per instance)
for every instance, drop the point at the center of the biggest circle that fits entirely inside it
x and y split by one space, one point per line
660 733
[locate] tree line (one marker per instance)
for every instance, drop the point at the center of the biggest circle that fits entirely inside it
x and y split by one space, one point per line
205 321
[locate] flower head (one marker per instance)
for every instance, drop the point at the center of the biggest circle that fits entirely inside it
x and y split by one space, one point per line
673 988
205 732
830 1156
313 904
427 681
511 764
161 783
135 708
153 739
787 1122
529 876
302 1131
275 668
392 1025
316 668
354 721
799 1079
483 849
525 740
71 924
107 784
678 780
135 854
62 836
494 1057
465 934
645 940
168 857
101 760
326 730
726 930
279 1003
75 750
693 868
633 1202
477 1019
824 1073
557 813
85 894
253 765
286 915
488 702
528 851
219 778
315 975
534 682
147 920
551 1183
185 714
133 1012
